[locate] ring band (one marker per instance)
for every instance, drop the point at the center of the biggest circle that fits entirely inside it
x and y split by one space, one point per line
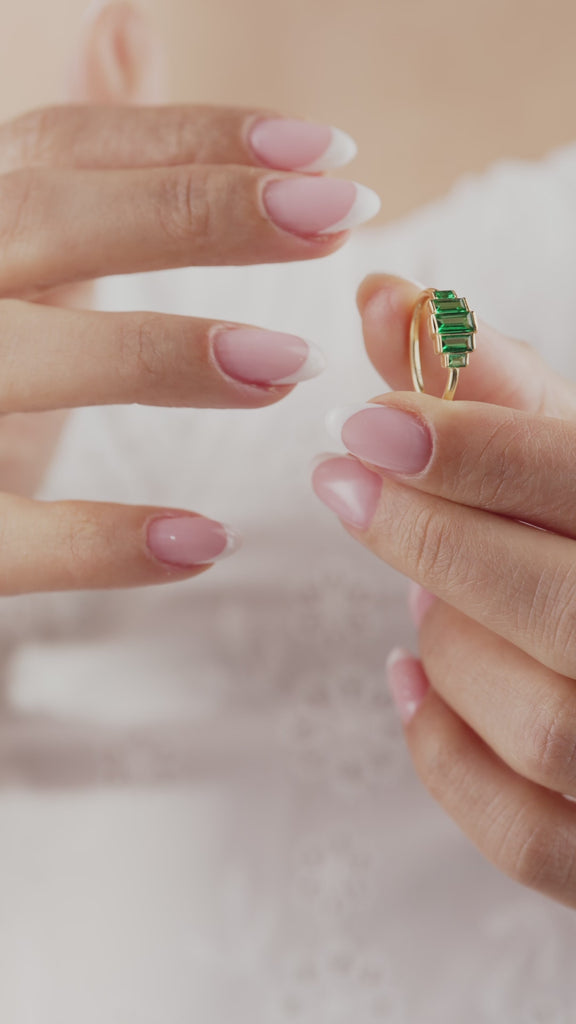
453 326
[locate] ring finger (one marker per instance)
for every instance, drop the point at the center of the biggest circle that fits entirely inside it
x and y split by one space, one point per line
527 831
524 711
55 358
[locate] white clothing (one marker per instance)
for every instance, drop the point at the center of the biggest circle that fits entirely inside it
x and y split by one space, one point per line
208 812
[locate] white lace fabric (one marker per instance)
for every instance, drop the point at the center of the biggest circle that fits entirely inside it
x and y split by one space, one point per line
208 811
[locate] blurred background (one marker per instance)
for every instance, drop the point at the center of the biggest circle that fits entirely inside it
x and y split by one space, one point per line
429 90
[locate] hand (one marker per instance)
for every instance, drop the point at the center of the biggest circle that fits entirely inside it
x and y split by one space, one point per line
475 501
92 191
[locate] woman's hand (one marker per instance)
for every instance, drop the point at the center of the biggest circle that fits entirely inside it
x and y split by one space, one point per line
475 500
92 191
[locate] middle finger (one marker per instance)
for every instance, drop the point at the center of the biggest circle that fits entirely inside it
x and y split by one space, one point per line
58 226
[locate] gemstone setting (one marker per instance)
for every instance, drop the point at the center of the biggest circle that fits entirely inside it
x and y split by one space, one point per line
453 328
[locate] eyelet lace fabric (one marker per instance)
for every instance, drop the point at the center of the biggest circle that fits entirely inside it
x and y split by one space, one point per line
208 811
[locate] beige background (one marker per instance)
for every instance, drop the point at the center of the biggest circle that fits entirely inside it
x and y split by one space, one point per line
429 89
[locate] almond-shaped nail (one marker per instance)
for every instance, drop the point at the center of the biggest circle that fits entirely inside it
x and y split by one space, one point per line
407 682
346 487
290 144
187 541
312 206
419 601
254 356
389 438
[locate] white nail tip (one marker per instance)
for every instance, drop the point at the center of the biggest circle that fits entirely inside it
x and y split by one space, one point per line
341 150
398 654
233 543
336 418
365 206
313 365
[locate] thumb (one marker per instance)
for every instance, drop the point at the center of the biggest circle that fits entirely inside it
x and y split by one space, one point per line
119 59
502 371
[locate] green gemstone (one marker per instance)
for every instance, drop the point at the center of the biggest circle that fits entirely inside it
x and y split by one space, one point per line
444 295
457 361
452 306
455 323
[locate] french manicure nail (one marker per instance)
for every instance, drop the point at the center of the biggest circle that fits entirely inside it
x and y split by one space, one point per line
407 682
312 206
188 541
387 437
290 144
419 601
347 488
254 356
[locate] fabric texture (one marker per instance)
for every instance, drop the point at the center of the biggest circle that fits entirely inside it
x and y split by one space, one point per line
208 812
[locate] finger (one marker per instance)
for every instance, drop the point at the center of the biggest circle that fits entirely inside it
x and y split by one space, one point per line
75 545
56 359
503 371
525 712
62 226
526 831
502 460
515 580
117 62
158 136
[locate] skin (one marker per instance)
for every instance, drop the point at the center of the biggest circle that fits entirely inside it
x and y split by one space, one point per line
144 165
494 743
388 71
494 735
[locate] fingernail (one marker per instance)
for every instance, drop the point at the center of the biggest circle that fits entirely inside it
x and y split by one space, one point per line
190 540
312 206
293 145
407 682
419 601
347 488
254 356
387 437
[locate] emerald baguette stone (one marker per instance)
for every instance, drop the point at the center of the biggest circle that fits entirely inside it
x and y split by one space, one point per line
454 325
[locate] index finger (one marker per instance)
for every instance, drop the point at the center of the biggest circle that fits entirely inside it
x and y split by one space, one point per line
131 137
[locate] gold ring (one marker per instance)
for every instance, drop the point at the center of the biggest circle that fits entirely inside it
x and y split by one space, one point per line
453 326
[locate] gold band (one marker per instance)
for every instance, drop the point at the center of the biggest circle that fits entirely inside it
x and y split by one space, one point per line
450 315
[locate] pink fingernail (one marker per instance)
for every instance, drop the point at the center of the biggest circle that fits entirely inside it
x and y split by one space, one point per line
419 601
387 437
407 682
254 356
293 145
312 206
348 489
190 540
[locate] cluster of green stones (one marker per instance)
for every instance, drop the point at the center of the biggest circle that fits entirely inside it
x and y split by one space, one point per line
453 326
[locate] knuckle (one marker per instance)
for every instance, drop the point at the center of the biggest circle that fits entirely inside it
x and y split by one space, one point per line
184 205
536 853
549 614
549 748
18 190
83 539
440 765
34 138
429 543
142 358
497 465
